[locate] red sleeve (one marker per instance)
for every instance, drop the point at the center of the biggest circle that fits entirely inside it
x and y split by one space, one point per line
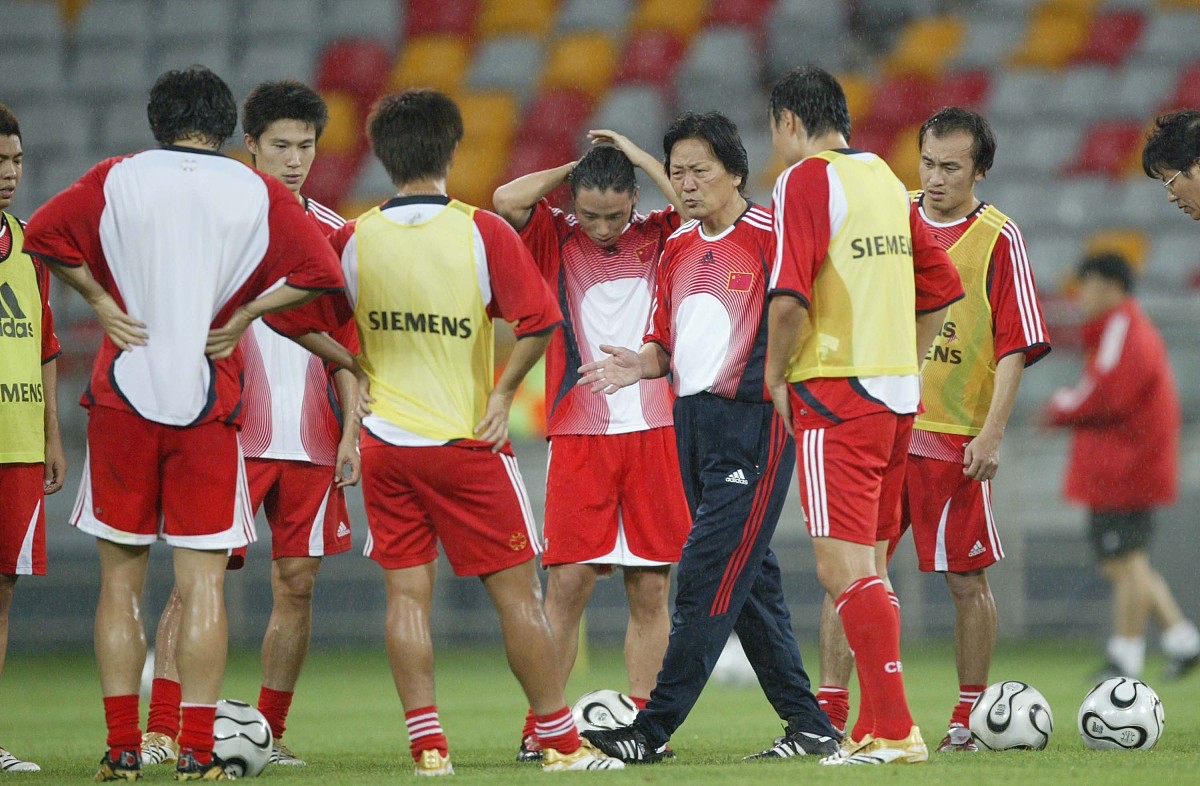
66 229
660 309
802 228
329 312
1114 377
50 346
543 235
1016 314
519 293
937 280
298 249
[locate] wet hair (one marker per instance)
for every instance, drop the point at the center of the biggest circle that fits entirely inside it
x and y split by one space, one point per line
604 168
1110 266
191 102
950 119
283 100
815 97
414 134
721 135
8 123
1173 144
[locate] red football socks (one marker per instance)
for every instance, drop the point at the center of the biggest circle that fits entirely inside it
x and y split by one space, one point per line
557 730
121 715
836 703
425 731
872 627
274 705
164 708
196 732
967 694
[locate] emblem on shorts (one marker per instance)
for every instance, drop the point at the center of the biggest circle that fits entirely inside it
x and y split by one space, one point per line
976 550
343 531
517 541
737 476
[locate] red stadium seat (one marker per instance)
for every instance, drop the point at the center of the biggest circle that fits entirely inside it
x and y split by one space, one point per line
331 176
425 17
901 101
557 117
651 57
875 139
1113 36
1105 148
354 65
968 89
533 156
1187 90
752 14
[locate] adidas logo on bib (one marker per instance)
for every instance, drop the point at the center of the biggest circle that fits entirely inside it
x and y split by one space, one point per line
976 550
737 476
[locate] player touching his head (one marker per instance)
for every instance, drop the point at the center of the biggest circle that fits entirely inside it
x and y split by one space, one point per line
426 276
708 331
178 250
300 440
858 292
613 495
32 463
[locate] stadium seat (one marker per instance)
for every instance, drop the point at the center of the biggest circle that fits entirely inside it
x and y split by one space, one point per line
1133 244
1105 148
344 131
651 57
439 61
607 16
516 17
585 61
905 157
750 14
723 60
488 117
31 25
968 89
107 23
60 128
441 17
859 89
331 176
1015 91
1053 256
1174 262
1078 203
34 72
570 109
901 101
275 18
1113 37
101 73
1141 87
371 183
1071 94
877 139
1170 36
535 155
1186 94
214 54
683 19
1056 32
123 128
353 207
926 46
379 19
476 172
176 20
800 31
507 63
1141 201
989 40
290 60
637 111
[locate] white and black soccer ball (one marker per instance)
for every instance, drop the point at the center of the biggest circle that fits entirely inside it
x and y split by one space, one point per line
733 669
600 710
241 738
1011 715
1121 714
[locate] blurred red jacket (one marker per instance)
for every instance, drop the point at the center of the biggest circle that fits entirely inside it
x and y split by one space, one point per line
1125 415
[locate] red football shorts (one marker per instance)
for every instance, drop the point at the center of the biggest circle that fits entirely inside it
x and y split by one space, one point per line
304 506
471 500
22 520
143 480
852 477
951 517
615 499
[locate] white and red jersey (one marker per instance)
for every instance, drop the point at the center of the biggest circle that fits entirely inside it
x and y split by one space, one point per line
605 296
290 408
1017 323
180 238
709 310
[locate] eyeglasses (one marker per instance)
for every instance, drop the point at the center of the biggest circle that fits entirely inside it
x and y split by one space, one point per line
1167 183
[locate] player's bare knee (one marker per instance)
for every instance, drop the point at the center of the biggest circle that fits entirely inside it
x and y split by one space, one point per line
968 588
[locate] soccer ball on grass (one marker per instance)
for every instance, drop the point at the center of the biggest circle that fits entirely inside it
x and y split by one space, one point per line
1121 714
600 710
242 738
1011 715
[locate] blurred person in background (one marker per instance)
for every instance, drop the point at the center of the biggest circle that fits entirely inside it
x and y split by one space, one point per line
613 493
178 250
32 462
1125 421
300 440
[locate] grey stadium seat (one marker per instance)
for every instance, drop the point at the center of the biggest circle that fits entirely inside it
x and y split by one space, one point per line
372 181
213 54
276 18
29 25
101 73
989 39
1174 260
1016 93
124 128
114 23
611 16
188 20
1170 37
282 61
34 72
1140 88
637 111
58 128
382 19
508 63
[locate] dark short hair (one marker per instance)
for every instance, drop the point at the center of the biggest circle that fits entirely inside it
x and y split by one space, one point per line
191 102
286 99
414 133
950 119
1109 266
8 123
814 96
721 135
604 168
1173 144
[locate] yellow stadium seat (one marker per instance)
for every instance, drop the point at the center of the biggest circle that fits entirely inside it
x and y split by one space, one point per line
905 157
488 116
765 178
523 17
344 131
585 61
477 170
1056 32
1129 243
353 208
682 18
859 90
927 45
438 61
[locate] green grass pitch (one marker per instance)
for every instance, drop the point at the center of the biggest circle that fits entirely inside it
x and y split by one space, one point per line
348 724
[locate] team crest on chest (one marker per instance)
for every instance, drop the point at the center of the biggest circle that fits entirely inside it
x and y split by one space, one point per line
645 254
740 282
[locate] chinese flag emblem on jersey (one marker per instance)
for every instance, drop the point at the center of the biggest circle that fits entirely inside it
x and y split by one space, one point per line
645 254
740 282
